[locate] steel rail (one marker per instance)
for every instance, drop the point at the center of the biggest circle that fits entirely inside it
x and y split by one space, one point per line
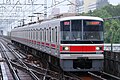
115 77
35 71
97 76
19 58
13 72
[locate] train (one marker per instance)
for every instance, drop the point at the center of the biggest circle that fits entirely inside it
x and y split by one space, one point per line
74 43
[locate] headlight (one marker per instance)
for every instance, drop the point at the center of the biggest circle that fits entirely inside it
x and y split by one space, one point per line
66 48
97 48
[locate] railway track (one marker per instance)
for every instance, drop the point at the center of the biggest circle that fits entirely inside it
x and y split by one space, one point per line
11 66
12 69
102 76
36 72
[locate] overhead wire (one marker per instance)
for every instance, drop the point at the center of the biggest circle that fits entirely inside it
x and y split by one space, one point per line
9 13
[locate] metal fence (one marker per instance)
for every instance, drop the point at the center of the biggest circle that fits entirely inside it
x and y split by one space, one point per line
112 63
113 47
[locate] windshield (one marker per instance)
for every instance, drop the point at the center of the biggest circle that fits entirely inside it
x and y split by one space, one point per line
81 30
92 30
65 30
76 30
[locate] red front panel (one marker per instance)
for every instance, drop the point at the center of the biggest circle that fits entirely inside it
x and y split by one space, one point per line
80 49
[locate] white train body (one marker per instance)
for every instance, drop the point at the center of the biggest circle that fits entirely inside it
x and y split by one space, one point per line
56 38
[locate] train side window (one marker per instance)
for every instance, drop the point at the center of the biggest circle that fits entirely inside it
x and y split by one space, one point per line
52 40
47 35
39 34
56 33
42 34
50 33
26 33
31 34
23 34
36 34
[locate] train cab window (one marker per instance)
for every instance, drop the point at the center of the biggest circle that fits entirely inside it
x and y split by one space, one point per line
92 30
76 30
65 30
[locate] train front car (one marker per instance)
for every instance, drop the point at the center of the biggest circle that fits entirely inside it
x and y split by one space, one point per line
81 45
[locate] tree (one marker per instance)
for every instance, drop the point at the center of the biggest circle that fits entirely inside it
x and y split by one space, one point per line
111 27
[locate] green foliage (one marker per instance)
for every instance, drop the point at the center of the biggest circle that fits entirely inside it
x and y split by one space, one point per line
111 27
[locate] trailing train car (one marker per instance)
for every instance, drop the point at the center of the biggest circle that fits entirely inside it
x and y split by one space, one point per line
75 43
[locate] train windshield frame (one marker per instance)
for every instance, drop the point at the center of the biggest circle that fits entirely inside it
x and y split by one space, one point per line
81 30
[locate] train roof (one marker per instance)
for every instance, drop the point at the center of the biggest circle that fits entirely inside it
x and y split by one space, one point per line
81 17
61 19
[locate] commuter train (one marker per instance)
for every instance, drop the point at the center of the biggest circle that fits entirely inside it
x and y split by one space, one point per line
74 43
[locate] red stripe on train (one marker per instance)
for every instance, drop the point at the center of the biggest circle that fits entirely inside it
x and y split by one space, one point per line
80 48
47 44
53 45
